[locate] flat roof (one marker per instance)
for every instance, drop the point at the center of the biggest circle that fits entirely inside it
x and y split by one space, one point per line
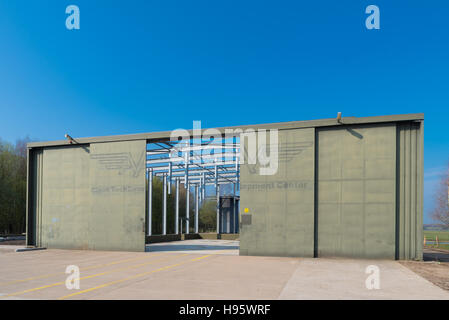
165 135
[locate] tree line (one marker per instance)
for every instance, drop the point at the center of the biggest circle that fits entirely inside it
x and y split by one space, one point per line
441 211
13 175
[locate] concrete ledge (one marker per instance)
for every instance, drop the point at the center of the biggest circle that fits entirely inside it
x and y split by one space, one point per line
29 249
191 236
162 238
221 236
229 236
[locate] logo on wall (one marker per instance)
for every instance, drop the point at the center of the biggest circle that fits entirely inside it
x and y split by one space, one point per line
123 162
287 152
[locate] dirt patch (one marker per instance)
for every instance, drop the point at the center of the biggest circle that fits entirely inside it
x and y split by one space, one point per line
433 271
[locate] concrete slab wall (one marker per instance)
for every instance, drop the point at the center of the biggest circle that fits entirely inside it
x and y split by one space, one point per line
353 191
410 191
90 196
356 191
117 188
64 207
280 207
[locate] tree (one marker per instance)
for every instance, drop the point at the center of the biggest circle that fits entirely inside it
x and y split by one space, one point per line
208 216
207 210
13 173
171 207
441 211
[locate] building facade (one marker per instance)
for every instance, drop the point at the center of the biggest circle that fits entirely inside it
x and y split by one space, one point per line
349 187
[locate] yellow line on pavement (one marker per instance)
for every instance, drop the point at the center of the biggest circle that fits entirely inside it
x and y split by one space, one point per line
130 278
81 269
87 277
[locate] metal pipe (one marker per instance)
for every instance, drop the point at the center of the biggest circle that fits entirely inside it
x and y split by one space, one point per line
186 178
197 199
200 190
169 177
204 186
237 165
234 227
177 208
186 183
237 176
164 213
150 201
218 209
187 207
216 177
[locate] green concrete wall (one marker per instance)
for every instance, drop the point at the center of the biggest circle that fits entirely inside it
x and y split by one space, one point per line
353 191
410 190
281 206
92 197
64 206
356 192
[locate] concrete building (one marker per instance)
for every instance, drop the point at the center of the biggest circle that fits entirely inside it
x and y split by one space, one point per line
344 187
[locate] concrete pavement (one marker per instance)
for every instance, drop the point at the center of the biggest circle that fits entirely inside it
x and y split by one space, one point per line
229 247
200 274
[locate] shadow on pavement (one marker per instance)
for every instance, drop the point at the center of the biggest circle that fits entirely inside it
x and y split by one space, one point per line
435 255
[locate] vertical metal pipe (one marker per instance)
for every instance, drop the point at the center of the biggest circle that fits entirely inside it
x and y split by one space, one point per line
204 187
177 208
164 213
197 199
169 177
218 208
199 190
237 178
237 164
216 177
234 227
150 201
186 183
186 170
187 207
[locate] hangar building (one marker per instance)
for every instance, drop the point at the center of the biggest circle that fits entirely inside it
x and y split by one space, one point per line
343 187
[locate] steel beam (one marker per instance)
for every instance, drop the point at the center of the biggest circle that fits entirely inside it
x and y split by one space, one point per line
169 177
177 208
197 199
187 207
164 212
234 227
150 201
218 208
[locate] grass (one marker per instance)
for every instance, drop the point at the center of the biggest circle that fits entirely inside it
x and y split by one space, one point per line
442 236
431 235
443 246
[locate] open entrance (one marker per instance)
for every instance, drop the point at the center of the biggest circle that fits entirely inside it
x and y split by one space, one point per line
193 193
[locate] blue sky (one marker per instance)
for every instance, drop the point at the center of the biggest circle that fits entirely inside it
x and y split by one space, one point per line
140 66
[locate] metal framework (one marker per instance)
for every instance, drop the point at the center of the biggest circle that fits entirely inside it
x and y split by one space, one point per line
195 164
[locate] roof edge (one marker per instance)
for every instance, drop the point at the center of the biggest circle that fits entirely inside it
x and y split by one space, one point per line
164 135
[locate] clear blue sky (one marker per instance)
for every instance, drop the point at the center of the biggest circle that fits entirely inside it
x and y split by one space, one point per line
140 66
